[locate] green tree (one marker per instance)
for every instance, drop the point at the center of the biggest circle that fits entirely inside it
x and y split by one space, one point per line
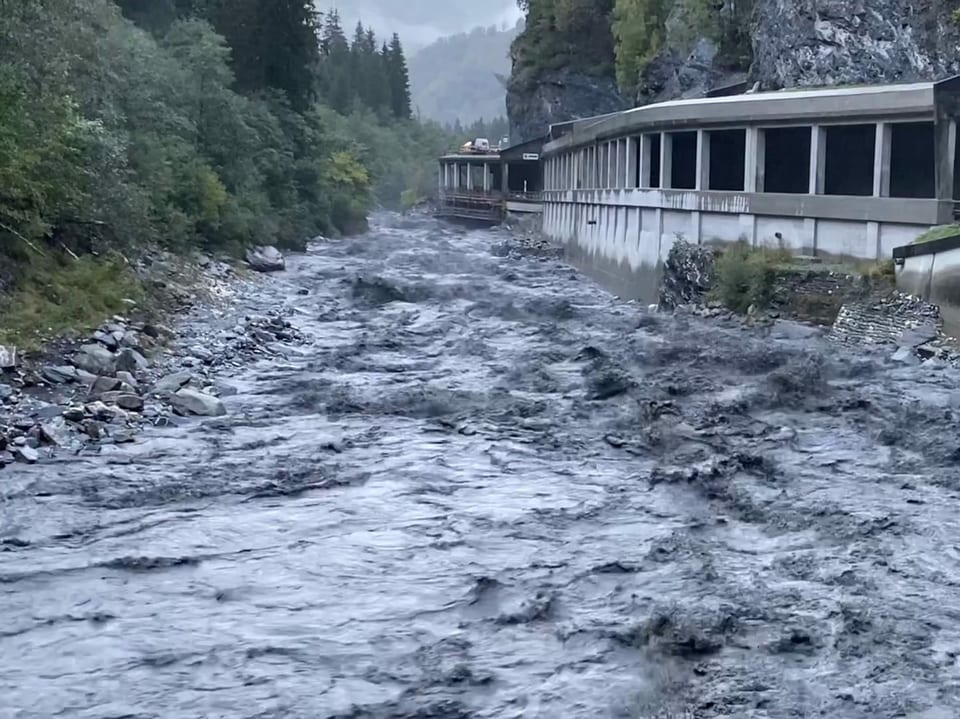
399 78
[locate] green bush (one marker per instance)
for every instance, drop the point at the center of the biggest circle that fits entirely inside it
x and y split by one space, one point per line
745 276
60 293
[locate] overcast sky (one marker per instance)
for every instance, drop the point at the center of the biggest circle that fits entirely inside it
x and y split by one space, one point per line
420 22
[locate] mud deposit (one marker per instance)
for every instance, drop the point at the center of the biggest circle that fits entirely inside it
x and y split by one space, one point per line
486 489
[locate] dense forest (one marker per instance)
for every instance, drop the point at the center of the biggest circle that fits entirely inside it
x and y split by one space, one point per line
208 123
463 76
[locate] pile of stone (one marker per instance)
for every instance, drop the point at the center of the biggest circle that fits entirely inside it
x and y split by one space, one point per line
688 274
527 246
121 379
894 319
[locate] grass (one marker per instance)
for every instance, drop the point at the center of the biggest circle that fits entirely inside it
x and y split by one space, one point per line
938 233
56 295
745 276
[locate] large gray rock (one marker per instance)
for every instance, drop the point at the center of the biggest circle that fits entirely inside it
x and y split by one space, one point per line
129 360
558 96
190 401
265 259
172 382
840 42
96 359
59 374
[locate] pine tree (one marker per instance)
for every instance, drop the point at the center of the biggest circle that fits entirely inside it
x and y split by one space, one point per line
399 79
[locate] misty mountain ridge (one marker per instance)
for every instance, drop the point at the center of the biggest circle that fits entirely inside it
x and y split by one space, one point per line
463 77
421 22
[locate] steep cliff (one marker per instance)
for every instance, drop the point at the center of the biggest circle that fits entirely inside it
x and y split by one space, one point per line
666 49
563 66
828 42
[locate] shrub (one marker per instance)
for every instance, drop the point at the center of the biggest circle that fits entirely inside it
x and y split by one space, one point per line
745 276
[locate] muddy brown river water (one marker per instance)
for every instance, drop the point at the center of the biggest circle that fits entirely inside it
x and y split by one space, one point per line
486 488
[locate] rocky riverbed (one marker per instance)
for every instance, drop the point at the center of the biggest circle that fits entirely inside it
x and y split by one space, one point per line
456 479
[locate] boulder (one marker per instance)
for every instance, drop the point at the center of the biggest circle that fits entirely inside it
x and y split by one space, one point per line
105 384
129 360
96 359
128 379
265 259
189 401
107 339
172 382
124 400
27 454
906 355
61 374
8 357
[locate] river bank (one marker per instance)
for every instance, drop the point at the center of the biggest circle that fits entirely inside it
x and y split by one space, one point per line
154 366
484 488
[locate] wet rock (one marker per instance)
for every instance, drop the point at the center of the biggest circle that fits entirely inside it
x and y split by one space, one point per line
92 428
123 436
265 259
26 454
61 374
127 379
105 384
96 359
129 360
225 389
8 357
107 339
905 355
126 401
192 402
202 354
74 414
173 382
6 392
53 433
100 411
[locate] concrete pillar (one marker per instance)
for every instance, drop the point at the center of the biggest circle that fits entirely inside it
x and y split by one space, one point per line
611 164
818 159
703 161
441 179
631 179
945 144
505 179
881 160
646 159
753 161
456 178
469 177
486 177
666 160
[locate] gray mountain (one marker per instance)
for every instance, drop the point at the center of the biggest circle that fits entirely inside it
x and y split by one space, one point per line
461 77
420 22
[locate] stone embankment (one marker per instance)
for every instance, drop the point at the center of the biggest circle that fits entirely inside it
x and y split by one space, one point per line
79 396
848 307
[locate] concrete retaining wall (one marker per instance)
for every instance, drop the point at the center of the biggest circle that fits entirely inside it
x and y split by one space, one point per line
630 240
931 270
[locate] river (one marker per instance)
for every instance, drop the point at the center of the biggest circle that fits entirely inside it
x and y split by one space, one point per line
485 488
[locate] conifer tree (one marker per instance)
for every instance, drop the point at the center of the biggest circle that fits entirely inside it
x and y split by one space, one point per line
399 79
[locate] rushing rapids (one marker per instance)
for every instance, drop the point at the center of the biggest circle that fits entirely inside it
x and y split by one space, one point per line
485 488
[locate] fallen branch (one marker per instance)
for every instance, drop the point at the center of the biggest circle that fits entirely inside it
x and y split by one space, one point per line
29 244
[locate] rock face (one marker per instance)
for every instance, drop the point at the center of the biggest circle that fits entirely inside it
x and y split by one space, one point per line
827 42
558 97
687 275
772 43
265 259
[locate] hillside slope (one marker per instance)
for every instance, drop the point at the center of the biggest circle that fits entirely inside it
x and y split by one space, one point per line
456 77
